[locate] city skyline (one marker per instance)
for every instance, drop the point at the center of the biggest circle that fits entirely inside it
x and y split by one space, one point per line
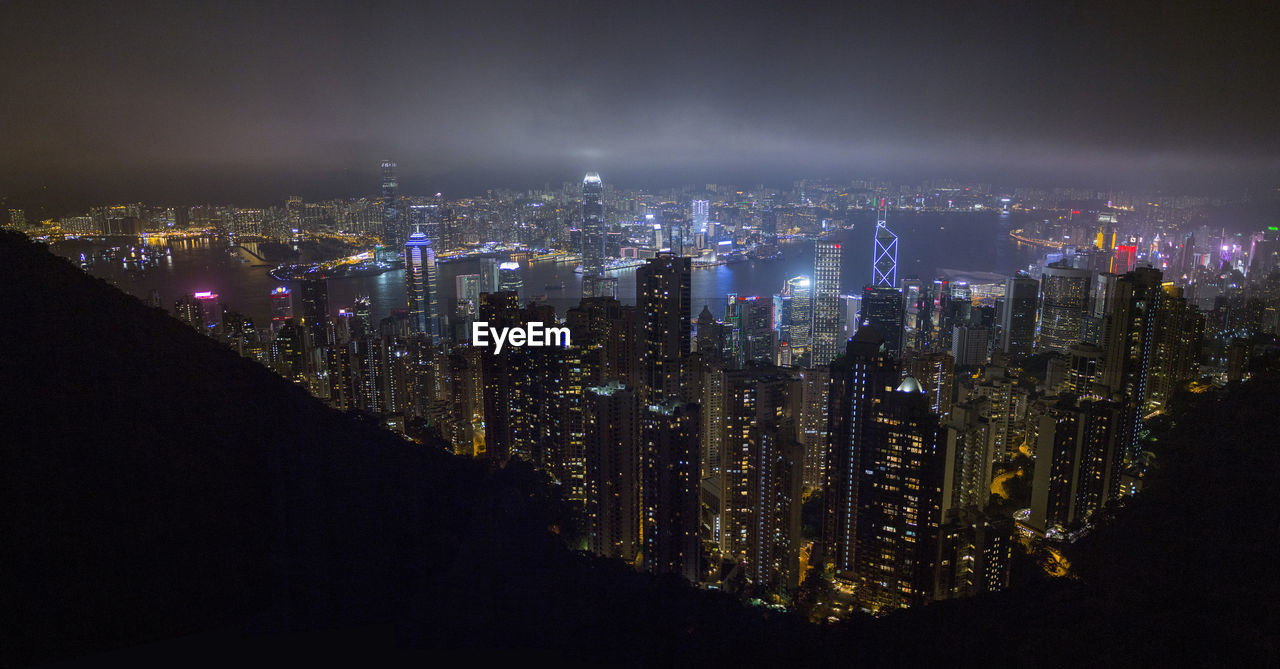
659 334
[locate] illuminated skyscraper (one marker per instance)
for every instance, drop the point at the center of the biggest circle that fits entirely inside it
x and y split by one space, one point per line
509 279
315 311
969 345
200 310
974 549
1130 348
901 469
670 479
392 230
1018 320
210 310
970 444
812 432
762 475
1064 297
488 275
612 438
1084 367
850 307
1007 402
1124 258
420 285
756 323
664 299
826 303
467 289
859 381
523 389
935 372
700 215
362 314
1106 232
592 226
883 308
915 333
499 310
884 265
286 351
281 307
797 319
1078 462
1178 333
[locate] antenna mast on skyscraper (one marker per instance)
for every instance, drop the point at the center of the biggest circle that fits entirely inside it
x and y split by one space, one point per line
884 265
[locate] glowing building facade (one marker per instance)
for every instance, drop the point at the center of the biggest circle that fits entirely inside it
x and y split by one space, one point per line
826 303
420 285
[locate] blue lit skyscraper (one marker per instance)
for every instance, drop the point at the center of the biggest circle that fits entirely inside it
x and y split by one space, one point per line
700 210
884 267
420 284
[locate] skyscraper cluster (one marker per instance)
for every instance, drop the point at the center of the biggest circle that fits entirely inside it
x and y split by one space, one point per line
906 413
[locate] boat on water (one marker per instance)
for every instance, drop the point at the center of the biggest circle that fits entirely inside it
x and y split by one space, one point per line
553 286
304 272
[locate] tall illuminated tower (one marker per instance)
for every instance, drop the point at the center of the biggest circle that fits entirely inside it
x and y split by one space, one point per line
883 308
420 284
509 279
1018 321
900 500
1132 320
1064 296
1078 442
592 226
669 488
859 381
315 311
884 267
392 235
612 481
281 307
701 215
826 303
664 299
762 467
799 319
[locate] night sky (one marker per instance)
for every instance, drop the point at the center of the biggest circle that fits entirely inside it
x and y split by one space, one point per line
241 102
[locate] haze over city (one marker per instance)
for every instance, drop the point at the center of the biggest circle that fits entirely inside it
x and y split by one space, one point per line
204 103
